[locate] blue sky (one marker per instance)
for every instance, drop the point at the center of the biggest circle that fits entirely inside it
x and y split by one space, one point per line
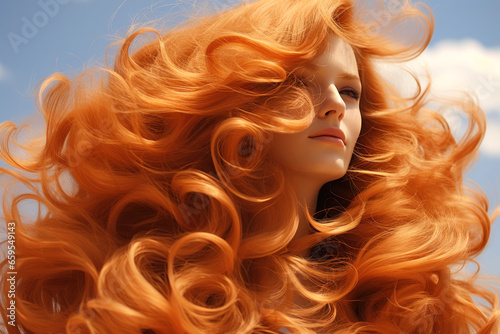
464 52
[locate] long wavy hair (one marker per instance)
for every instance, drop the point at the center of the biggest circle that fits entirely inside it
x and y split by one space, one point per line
161 210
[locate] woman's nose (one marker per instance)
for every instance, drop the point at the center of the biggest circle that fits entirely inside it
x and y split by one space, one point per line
333 104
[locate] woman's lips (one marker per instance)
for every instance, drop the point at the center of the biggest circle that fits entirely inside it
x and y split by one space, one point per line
330 134
330 139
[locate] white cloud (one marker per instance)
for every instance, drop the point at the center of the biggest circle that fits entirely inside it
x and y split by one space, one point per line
491 142
459 66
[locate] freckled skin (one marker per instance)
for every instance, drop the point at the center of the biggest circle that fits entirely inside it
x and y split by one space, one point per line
313 159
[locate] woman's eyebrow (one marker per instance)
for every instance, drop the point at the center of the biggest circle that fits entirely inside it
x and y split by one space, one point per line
311 68
349 76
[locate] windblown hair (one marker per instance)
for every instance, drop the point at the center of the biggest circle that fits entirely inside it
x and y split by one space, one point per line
162 210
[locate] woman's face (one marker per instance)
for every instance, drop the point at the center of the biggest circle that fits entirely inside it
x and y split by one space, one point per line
336 88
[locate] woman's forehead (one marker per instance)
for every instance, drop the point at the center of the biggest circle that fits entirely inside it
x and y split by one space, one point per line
339 54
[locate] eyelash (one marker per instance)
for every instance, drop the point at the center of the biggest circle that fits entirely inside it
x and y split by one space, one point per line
353 93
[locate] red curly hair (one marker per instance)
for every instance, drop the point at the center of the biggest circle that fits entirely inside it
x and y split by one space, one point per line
162 211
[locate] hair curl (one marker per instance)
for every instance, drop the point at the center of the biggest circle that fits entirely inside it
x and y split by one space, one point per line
162 211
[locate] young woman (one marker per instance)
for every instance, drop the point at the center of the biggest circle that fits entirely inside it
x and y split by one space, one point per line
248 172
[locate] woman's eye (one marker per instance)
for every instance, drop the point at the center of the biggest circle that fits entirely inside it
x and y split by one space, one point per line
351 92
